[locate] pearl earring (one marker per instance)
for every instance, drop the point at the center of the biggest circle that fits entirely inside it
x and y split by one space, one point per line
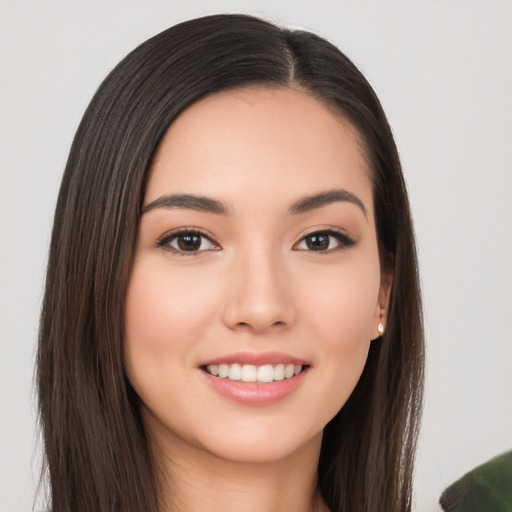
380 328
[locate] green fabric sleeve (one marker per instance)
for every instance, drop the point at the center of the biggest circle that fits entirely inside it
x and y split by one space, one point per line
487 488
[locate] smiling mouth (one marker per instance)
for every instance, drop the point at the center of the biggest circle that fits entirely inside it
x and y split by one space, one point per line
264 374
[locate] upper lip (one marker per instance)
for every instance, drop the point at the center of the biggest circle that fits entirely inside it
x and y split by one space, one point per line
256 359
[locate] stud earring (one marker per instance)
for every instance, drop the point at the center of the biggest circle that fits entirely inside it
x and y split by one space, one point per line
380 328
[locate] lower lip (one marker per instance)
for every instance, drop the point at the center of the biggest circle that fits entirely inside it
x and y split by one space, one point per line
254 393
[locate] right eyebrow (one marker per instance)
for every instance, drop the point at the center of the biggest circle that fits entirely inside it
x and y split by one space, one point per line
308 203
189 201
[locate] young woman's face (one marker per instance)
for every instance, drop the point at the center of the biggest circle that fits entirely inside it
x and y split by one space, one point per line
256 258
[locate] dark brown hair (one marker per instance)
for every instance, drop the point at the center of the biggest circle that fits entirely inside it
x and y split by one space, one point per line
97 453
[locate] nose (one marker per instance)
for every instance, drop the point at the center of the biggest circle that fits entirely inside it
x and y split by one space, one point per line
259 296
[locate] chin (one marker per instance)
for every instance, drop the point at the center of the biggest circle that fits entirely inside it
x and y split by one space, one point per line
269 440
263 445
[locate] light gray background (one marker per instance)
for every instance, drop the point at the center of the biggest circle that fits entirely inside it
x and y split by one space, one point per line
443 71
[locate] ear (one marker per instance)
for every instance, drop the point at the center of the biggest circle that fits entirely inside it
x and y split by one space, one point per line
382 306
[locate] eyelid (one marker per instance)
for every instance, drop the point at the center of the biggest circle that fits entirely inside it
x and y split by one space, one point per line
163 241
345 241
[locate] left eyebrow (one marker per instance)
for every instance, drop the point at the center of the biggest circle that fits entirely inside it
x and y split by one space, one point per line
308 203
189 201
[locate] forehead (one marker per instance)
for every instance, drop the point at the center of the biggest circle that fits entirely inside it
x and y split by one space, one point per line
261 140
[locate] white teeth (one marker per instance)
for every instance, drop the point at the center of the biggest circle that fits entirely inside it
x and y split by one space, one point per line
279 372
266 373
223 370
251 373
235 372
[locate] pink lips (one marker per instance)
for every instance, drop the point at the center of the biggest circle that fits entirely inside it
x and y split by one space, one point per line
254 393
256 359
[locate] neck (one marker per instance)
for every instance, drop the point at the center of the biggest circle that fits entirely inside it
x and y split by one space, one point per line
192 480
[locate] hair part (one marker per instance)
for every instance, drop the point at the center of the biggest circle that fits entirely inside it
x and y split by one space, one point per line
97 454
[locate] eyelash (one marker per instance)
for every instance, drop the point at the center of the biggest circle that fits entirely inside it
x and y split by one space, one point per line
345 241
166 239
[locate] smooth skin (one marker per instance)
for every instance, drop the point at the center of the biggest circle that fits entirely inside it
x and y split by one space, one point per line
255 279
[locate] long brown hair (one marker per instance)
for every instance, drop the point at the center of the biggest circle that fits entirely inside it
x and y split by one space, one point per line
97 453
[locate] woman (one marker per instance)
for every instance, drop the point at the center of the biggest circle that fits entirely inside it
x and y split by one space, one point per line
232 314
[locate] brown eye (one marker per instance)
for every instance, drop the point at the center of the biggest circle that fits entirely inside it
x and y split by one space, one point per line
317 242
325 241
186 242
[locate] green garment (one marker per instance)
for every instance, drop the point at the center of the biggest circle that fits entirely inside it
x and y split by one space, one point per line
487 488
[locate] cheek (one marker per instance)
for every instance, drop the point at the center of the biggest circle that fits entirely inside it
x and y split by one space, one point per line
163 309
341 317
166 316
343 302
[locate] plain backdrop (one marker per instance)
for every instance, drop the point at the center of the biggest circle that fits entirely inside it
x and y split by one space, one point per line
443 71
